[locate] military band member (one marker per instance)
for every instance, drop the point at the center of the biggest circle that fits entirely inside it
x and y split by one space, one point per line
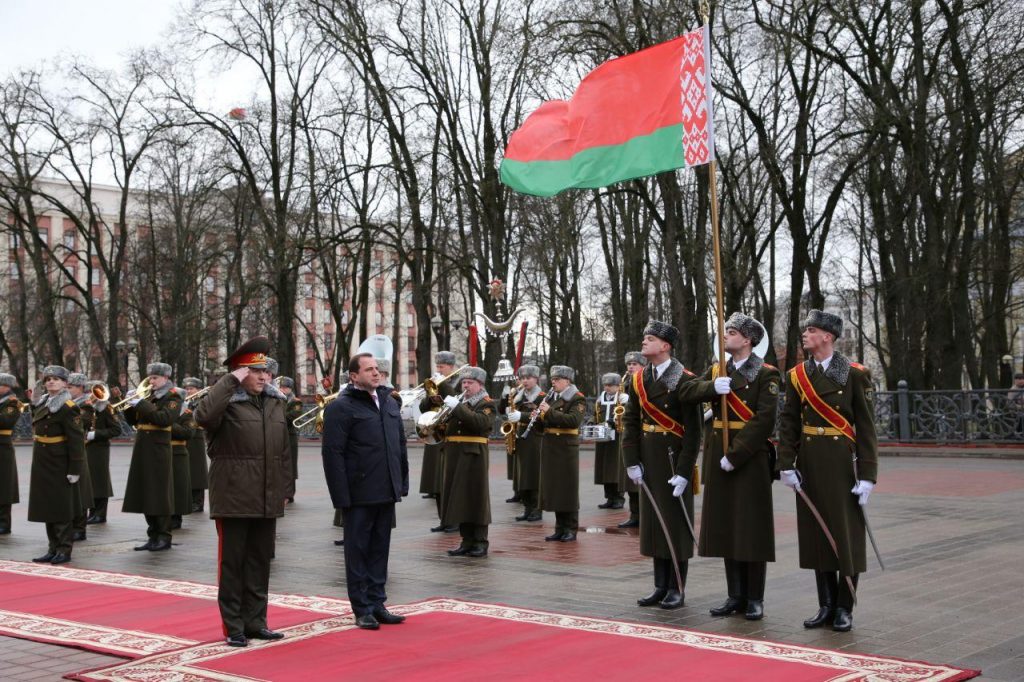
292 411
432 473
828 447
660 444
634 363
10 413
736 518
466 499
527 456
197 468
561 415
182 430
150 487
606 453
101 424
58 457
83 490
250 479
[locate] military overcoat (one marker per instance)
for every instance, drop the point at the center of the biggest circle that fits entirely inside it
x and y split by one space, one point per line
432 470
466 464
560 452
57 451
10 413
101 419
150 486
607 464
528 450
182 430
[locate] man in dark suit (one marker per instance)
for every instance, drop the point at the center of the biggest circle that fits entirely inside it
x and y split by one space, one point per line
367 469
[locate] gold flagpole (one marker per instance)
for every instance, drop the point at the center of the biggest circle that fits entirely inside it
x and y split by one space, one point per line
719 305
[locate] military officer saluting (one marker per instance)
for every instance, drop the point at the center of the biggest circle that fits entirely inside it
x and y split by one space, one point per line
828 448
432 472
635 362
197 468
606 453
58 456
150 487
561 416
528 449
736 518
101 424
10 413
83 489
660 444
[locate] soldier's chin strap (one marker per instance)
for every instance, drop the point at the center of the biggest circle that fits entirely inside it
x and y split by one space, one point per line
664 529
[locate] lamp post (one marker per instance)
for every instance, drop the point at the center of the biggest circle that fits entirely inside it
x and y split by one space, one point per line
1006 370
124 351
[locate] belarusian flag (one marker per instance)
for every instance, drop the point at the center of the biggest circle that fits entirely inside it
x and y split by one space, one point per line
637 115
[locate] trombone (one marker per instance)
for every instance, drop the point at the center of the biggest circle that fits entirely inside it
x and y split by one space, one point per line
412 396
143 391
313 414
194 398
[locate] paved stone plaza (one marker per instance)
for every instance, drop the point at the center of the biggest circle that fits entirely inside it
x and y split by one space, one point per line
951 530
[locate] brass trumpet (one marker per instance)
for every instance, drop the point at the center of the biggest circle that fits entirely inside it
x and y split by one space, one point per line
143 391
100 393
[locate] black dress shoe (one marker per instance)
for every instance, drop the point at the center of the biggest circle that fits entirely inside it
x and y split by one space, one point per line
458 551
94 519
523 517
477 552
824 615
5 531
729 606
554 537
385 617
618 504
195 508
567 537
237 639
653 598
339 543
367 622
146 547
630 523
176 524
438 529
843 621
451 529
160 546
428 496
60 558
265 633
755 610
78 536
535 516
45 559
515 498
673 599
607 504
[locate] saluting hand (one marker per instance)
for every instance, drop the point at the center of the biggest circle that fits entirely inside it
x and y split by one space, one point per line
241 373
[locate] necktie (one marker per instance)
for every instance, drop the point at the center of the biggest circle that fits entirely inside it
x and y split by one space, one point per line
729 368
376 401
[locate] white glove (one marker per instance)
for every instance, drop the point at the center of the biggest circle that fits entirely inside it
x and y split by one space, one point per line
790 478
678 484
723 385
515 415
73 478
635 473
726 464
90 436
863 489
134 401
451 401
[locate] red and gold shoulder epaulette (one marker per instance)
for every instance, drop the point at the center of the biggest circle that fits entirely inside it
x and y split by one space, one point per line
488 399
859 366
770 366
689 372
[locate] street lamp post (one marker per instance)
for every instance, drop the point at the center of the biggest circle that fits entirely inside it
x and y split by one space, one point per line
124 351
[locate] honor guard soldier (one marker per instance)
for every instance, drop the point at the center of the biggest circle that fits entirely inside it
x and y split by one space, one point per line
606 453
83 489
101 424
10 413
292 411
736 518
197 469
828 449
660 444
635 362
250 479
561 414
58 457
150 487
466 498
527 455
182 430
432 473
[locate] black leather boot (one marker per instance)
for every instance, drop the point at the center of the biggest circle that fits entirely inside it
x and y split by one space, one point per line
826 582
660 583
843 621
757 572
675 597
735 603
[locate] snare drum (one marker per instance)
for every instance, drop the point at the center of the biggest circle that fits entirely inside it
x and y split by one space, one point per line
598 433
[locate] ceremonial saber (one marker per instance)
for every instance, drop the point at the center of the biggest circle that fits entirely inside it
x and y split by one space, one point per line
867 526
686 514
664 529
828 534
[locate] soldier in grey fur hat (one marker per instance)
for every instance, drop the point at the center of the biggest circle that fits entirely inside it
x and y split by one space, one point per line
83 489
528 449
562 417
432 470
606 453
635 362
10 413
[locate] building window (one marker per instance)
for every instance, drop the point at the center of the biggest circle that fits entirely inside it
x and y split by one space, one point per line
69 241
379 319
310 367
328 340
95 277
210 284
309 315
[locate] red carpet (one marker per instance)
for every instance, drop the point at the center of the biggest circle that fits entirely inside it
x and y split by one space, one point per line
122 614
454 640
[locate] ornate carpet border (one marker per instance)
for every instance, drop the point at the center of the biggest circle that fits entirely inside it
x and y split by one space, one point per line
183 664
179 588
130 643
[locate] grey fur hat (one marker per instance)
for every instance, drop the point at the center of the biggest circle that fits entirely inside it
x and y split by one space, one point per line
473 373
56 371
77 379
272 366
828 322
561 372
663 331
383 366
159 368
444 357
635 356
528 371
286 382
191 382
8 380
611 379
746 325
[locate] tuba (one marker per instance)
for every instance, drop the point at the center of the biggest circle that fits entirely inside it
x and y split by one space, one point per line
430 426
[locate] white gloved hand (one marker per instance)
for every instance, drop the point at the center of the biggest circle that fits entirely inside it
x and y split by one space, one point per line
863 490
678 484
451 401
134 401
90 436
726 464
723 385
789 477
515 415
73 478
635 473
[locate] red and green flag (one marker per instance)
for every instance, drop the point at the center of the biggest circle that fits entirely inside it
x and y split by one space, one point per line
633 116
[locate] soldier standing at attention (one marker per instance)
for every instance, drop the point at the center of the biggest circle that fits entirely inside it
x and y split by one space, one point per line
10 413
101 424
634 363
606 453
83 489
562 416
432 472
197 469
527 457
